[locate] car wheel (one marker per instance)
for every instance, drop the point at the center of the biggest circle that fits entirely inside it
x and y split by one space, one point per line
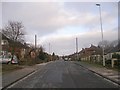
9 63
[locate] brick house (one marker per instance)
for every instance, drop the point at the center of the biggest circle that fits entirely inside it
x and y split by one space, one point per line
4 45
10 46
93 53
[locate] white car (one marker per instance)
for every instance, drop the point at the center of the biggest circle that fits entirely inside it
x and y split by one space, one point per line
5 59
65 59
14 60
8 60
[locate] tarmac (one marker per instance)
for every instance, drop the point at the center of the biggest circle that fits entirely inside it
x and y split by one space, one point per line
110 74
10 78
15 76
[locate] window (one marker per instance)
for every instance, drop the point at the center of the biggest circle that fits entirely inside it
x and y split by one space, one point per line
4 42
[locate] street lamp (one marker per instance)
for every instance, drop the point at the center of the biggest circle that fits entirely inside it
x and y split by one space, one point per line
101 33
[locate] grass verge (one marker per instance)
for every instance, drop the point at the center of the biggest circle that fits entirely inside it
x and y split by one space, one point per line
101 66
6 68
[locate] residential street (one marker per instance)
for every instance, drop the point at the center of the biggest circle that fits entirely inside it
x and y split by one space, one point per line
59 44
63 74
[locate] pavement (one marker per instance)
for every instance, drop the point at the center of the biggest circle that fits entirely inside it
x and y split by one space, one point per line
109 74
10 78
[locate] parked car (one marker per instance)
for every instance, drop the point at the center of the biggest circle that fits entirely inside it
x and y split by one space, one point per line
65 59
4 59
69 59
14 60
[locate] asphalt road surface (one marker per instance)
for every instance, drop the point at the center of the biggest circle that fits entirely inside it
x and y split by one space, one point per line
63 74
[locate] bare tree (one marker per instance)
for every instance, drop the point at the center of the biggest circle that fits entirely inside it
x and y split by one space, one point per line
114 43
14 31
105 43
108 45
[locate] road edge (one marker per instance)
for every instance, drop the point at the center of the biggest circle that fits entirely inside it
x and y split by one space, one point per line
5 87
35 69
118 83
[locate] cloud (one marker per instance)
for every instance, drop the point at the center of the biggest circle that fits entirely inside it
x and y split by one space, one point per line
46 17
59 23
65 44
0 15
59 0
35 16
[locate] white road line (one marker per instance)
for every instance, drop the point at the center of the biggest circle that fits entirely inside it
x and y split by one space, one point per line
21 80
25 78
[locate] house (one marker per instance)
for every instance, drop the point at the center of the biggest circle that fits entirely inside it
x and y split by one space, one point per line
114 55
73 56
33 53
93 53
10 46
4 45
112 51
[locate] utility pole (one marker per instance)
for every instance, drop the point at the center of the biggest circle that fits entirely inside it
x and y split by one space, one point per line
76 48
49 47
50 51
35 41
35 47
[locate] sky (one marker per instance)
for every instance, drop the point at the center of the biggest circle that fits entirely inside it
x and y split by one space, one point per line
57 24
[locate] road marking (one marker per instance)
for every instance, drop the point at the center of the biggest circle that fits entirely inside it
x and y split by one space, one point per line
21 80
17 82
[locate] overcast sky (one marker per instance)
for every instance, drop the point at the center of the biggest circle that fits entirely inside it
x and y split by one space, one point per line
59 23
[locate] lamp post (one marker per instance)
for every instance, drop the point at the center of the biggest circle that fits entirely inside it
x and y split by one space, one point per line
101 33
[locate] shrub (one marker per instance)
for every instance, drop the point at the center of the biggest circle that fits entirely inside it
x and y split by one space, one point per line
116 56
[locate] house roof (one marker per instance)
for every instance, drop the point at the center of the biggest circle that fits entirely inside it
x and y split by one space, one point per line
12 43
91 50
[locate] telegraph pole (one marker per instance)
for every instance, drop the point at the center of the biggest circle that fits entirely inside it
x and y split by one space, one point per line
35 47
76 48
49 47
50 51
35 41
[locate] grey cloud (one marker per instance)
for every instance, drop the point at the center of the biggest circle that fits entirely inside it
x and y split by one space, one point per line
45 18
67 46
0 15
